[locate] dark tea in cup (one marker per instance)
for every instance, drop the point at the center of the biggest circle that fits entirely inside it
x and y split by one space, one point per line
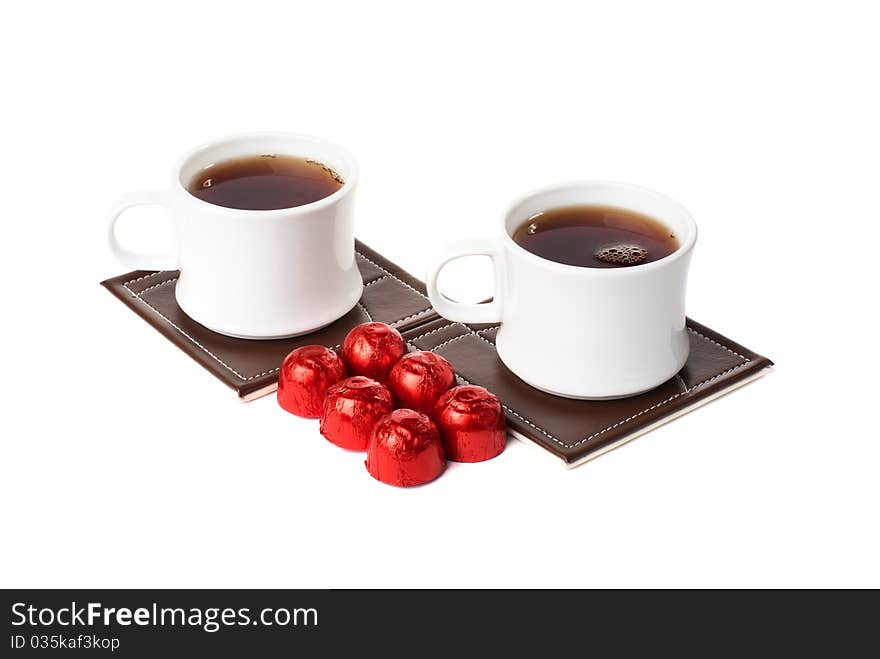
265 182
593 236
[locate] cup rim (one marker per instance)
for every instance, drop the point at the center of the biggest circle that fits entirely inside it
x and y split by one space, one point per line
349 184
683 249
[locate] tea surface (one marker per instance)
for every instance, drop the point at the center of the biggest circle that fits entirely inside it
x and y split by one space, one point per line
593 236
265 182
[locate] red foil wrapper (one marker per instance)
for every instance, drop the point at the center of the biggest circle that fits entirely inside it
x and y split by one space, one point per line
418 379
405 449
305 375
471 423
371 349
351 409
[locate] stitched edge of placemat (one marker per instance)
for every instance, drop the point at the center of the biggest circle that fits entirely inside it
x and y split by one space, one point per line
468 331
228 367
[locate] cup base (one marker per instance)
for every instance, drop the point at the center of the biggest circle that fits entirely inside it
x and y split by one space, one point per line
267 338
581 388
571 397
275 336
596 397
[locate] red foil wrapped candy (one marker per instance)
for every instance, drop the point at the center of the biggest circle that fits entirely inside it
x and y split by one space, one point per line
351 409
371 349
471 423
405 449
418 379
305 375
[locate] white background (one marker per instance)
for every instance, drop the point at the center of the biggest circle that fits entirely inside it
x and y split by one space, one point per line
125 464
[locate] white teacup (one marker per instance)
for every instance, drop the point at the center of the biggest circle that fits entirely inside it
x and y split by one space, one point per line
256 274
580 332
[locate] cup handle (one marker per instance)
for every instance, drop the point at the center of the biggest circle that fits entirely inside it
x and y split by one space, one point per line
134 259
488 312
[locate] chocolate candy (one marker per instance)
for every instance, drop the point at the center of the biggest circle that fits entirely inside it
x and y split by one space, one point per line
405 449
418 379
371 349
351 409
471 424
305 375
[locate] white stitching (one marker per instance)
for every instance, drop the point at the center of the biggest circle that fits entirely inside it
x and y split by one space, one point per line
271 370
152 274
399 280
653 407
149 288
167 320
376 281
434 331
220 361
469 332
366 311
386 276
732 352
540 430
392 275
514 412
456 338
411 316
483 338
745 361
383 278
683 383
208 352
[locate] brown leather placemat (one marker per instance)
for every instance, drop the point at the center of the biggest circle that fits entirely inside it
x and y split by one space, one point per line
251 367
572 430
575 430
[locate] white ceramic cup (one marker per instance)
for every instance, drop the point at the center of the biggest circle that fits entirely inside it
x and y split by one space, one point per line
578 332
256 274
